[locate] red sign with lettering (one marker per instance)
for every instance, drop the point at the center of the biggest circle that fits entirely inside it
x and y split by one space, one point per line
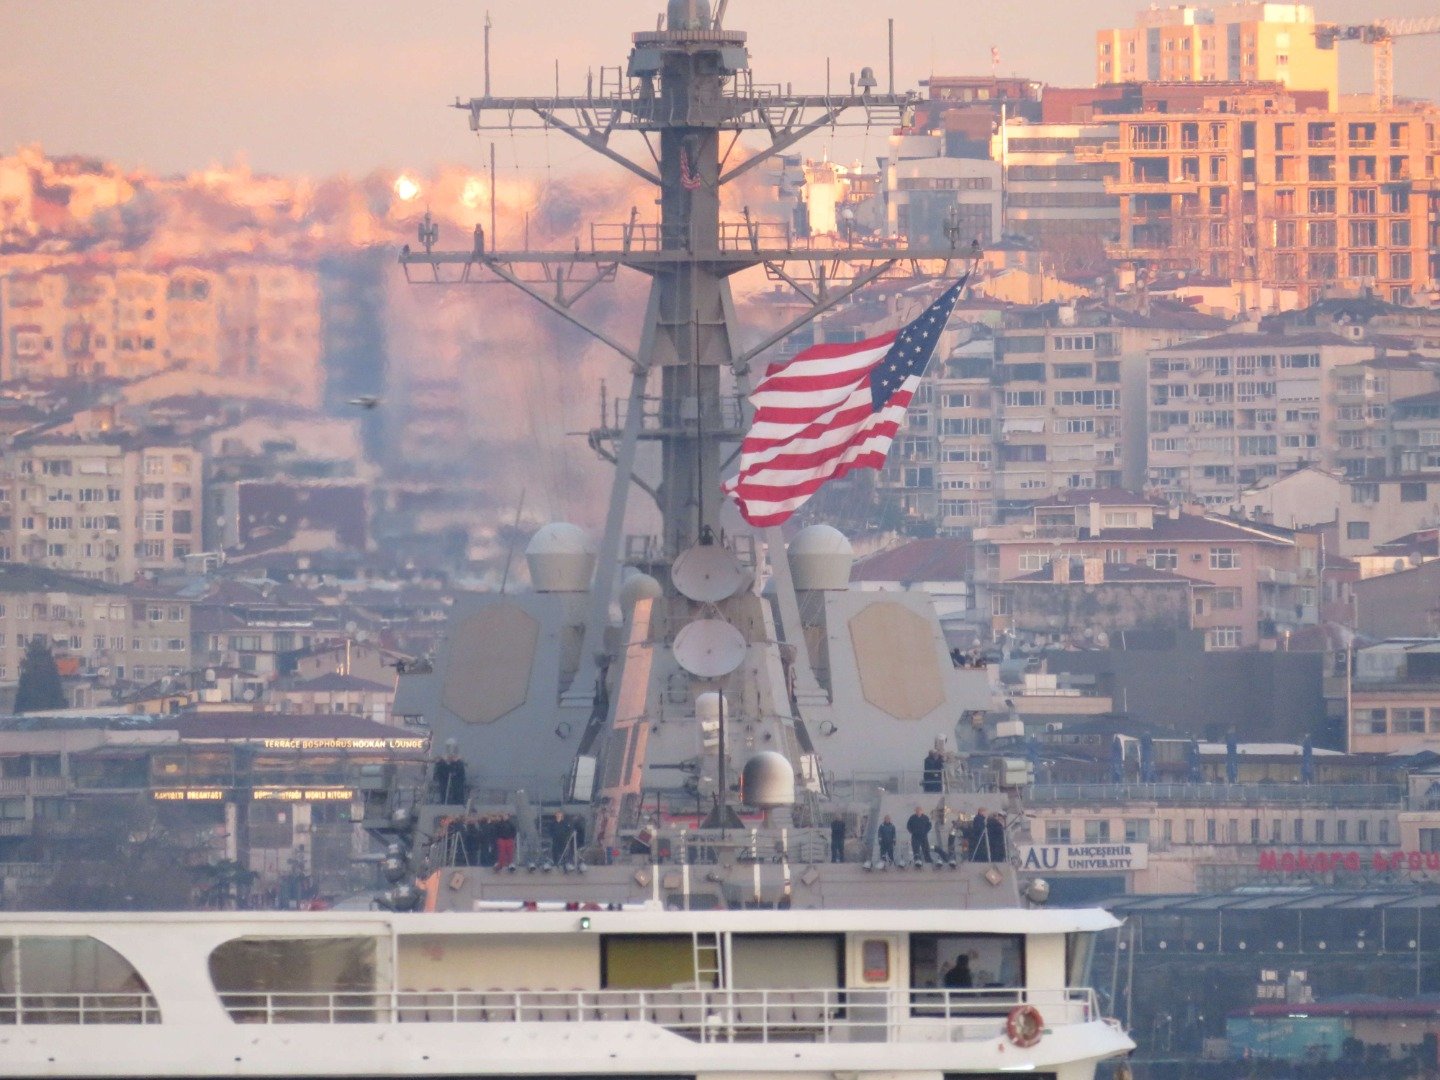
1323 862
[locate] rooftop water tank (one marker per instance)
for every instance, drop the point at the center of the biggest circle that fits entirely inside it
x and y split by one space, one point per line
561 558
768 780
820 558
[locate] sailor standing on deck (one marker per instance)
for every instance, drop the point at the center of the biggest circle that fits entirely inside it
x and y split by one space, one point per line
886 836
918 826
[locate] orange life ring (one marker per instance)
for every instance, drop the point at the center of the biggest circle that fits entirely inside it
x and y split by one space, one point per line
1024 1025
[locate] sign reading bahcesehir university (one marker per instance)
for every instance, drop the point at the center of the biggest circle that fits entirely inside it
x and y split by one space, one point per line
1084 858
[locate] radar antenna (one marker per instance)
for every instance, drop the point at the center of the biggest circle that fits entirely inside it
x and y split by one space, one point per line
688 92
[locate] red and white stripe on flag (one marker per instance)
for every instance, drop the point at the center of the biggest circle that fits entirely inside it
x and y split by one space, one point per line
815 420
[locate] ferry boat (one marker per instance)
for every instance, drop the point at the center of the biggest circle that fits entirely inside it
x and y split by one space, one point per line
634 992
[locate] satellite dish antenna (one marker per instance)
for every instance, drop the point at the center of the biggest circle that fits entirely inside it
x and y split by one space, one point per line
709 648
708 573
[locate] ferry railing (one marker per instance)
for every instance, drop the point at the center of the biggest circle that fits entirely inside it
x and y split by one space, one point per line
87 1008
819 1015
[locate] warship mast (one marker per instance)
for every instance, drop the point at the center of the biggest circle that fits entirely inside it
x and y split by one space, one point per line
706 669
689 92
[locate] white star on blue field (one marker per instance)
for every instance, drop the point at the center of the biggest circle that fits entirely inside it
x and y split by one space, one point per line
913 347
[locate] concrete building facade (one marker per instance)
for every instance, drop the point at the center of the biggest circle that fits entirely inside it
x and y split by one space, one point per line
105 508
1249 42
1286 200
1264 579
1229 412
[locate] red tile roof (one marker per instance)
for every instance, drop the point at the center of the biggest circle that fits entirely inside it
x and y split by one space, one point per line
939 559
1313 339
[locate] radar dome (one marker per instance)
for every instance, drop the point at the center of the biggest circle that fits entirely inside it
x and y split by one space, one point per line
637 587
561 558
820 558
688 15
707 709
768 780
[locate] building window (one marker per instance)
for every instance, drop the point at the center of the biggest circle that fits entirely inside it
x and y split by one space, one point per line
1162 558
1223 637
1357 530
1362 831
1224 558
1137 830
1057 832
1413 491
1097 831
1320 830
1429 840
1211 831
1275 827
1299 830
1384 830
1342 831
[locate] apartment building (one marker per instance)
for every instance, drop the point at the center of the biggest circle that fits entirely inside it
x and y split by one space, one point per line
1257 192
1384 508
106 508
116 634
1049 196
1232 411
1026 403
56 325
1394 697
1248 42
1071 389
271 330
1264 579
927 195
260 322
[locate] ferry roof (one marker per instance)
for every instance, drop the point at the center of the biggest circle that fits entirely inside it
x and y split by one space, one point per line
629 921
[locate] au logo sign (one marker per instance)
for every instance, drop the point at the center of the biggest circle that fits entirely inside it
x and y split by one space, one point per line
1084 858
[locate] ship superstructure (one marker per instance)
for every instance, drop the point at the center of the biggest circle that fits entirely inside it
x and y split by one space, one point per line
729 656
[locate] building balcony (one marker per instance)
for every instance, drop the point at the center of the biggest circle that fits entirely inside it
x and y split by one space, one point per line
1121 186
1118 249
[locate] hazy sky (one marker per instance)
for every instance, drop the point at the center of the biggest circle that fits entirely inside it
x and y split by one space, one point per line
322 86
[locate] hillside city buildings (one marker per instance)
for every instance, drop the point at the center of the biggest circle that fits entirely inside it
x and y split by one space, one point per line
1172 477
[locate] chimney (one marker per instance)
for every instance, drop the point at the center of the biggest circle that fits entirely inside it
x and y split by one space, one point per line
1060 570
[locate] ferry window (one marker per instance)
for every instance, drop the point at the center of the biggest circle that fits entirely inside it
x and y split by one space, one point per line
875 961
1079 950
295 980
965 961
649 962
70 980
761 961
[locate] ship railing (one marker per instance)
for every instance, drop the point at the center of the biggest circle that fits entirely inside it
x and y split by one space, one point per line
706 1015
88 1008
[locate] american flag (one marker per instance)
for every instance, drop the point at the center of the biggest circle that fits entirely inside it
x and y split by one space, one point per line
831 409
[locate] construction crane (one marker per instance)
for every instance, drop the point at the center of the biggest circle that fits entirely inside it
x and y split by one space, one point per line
1380 35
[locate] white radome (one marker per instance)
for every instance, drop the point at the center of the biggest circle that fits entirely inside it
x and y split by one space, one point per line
561 558
821 558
